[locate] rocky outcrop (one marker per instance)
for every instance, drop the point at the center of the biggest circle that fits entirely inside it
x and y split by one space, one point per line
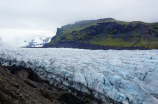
18 89
15 91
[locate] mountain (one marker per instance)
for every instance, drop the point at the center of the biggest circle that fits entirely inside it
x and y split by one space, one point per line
39 41
107 33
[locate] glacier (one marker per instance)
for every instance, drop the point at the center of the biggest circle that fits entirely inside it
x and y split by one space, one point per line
126 76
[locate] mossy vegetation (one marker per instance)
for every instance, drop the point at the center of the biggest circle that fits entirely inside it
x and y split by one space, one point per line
151 44
114 42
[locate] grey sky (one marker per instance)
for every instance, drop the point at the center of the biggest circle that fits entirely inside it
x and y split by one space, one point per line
24 19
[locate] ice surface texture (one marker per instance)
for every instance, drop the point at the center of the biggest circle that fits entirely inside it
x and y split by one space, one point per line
127 76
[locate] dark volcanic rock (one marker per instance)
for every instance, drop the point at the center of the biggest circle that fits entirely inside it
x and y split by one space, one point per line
17 89
46 94
24 73
68 98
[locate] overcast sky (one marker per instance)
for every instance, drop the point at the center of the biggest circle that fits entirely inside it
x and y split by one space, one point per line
24 19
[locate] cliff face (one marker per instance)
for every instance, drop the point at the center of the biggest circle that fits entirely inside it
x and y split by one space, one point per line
108 33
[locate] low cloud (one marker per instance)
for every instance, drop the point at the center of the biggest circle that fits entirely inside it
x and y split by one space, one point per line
41 17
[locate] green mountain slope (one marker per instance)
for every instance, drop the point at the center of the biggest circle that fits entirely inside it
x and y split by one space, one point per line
109 32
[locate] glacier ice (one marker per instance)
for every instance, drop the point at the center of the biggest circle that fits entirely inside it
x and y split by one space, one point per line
126 76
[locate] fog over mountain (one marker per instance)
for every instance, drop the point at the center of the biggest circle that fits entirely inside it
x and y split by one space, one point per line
22 20
1 44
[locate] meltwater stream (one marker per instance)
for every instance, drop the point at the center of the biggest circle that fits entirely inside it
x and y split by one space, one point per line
126 76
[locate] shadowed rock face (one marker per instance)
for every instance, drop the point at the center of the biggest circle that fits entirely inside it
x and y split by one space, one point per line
25 73
20 90
70 99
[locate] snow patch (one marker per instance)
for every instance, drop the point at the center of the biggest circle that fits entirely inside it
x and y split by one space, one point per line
39 41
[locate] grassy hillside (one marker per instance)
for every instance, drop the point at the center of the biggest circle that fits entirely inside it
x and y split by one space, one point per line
110 32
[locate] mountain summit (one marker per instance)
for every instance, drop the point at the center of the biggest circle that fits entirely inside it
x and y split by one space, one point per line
107 33
39 41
